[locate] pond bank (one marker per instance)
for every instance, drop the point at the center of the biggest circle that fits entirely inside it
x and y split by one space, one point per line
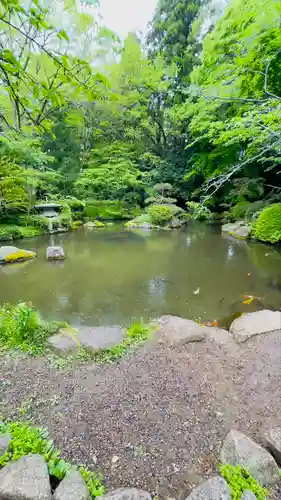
155 419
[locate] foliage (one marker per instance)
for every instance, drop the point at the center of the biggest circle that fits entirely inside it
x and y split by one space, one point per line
22 327
32 440
160 214
268 224
108 209
198 211
239 480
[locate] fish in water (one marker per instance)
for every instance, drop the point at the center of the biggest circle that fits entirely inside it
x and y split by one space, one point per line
197 291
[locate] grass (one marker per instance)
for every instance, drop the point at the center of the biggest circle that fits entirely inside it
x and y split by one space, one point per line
22 328
29 440
239 480
13 232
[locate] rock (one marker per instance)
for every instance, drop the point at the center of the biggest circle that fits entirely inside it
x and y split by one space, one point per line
25 479
127 494
4 442
248 495
178 331
255 323
99 337
238 229
72 487
273 442
218 335
94 223
9 254
238 449
214 489
55 253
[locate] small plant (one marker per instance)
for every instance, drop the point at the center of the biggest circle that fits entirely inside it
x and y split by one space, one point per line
27 440
22 327
239 480
160 214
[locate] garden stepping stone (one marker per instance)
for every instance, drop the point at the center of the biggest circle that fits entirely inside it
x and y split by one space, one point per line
238 449
5 440
255 323
126 494
273 442
178 331
25 479
55 253
99 337
72 487
214 489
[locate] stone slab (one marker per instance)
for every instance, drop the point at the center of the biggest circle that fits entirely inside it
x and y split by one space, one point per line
255 323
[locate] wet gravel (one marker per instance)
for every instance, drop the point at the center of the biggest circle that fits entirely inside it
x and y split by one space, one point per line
155 419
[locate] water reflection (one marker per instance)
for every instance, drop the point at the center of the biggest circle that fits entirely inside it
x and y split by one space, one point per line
112 276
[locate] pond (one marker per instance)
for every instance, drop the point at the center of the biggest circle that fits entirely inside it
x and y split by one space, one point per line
114 275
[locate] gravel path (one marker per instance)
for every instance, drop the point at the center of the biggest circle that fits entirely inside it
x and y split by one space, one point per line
156 418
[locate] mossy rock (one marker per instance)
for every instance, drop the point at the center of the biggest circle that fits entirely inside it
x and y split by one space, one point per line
9 255
94 224
267 228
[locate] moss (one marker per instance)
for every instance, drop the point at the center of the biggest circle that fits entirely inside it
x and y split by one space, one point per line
76 224
268 224
18 256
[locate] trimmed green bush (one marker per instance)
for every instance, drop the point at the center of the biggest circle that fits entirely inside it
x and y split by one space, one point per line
160 214
268 224
9 233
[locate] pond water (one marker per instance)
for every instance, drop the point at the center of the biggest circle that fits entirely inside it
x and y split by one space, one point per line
113 275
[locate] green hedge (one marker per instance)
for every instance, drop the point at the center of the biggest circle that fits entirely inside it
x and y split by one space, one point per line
113 210
268 224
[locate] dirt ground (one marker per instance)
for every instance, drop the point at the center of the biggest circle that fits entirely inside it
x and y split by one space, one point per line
155 419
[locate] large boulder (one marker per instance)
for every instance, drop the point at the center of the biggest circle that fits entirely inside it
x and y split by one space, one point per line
126 494
214 489
237 229
174 330
72 487
5 440
25 479
10 254
55 253
255 323
98 337
240 450
272 439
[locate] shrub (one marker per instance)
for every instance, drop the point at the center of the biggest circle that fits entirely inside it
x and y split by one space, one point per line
160 214
8 233
239 480
33 440
22 327
114 210
198 211
35 220
239 210
268 224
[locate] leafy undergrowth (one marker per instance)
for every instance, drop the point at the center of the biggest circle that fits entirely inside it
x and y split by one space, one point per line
239 480
22 327
29 440
136 334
